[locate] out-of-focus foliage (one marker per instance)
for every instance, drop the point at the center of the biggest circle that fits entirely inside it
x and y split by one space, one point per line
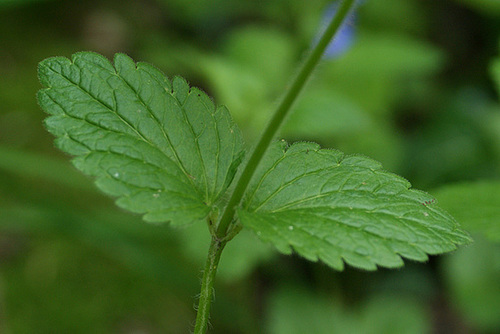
416 91
17 2
476 205
487 6
472 275
380 314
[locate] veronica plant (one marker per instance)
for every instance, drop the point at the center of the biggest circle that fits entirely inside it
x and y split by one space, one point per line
164 150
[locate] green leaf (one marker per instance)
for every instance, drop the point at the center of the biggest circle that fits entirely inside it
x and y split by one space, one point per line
163 148
333 207
476 205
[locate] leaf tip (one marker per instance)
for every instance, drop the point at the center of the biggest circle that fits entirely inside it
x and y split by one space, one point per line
47 66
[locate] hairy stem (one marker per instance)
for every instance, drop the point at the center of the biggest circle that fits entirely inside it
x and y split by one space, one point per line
280 115
207 285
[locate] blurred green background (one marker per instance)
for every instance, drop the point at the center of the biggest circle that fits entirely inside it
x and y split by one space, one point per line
417 91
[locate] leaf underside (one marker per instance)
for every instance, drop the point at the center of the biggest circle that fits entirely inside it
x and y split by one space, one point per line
336 208
162 148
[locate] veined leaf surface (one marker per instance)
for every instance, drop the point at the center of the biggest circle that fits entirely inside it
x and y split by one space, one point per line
336 208
162 148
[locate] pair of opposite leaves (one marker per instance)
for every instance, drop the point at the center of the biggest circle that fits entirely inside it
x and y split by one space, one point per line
166 151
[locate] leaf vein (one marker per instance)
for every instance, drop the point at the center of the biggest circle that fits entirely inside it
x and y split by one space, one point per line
162 129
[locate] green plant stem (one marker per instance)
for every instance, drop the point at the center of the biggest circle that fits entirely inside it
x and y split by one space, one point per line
207 285
219 239
279 117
